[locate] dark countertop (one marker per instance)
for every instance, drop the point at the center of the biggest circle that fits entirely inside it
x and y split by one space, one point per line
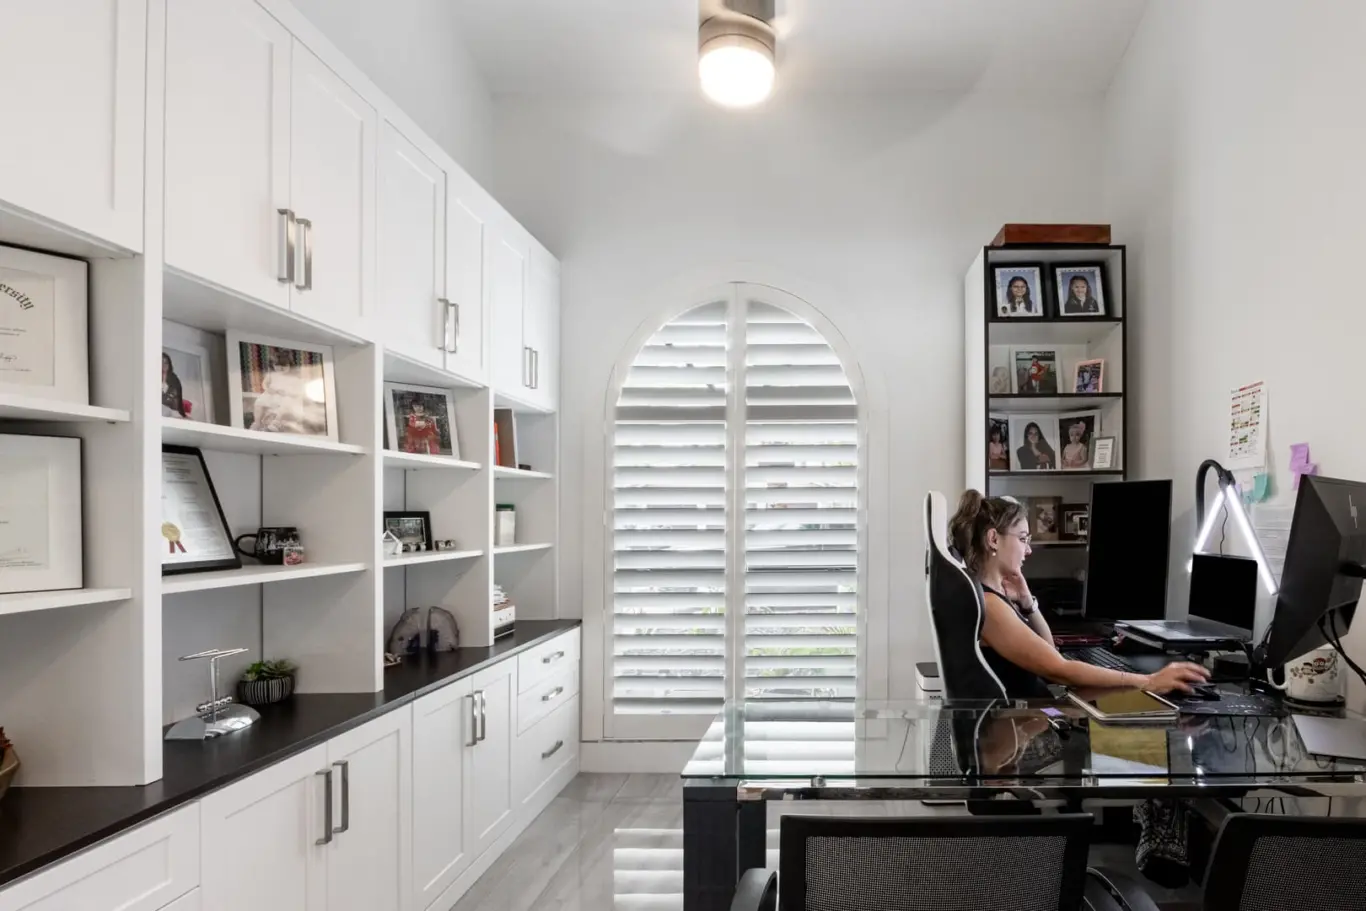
40 826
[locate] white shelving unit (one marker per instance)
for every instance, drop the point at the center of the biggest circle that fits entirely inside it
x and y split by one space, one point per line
503 473
405 288
521 548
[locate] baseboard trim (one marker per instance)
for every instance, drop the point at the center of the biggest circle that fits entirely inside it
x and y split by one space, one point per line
645 756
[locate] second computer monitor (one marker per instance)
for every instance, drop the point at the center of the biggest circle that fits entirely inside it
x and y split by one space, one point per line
1128 548
1224 589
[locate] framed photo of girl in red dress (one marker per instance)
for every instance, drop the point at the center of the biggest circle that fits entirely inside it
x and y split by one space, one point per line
421 420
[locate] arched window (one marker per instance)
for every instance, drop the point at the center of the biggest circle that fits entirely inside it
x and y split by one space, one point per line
735 516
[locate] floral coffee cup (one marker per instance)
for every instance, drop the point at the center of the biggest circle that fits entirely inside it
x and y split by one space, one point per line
1313 677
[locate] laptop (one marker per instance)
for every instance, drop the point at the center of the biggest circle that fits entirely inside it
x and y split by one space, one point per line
1223 603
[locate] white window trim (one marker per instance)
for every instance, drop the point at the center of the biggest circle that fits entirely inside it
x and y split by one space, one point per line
873 658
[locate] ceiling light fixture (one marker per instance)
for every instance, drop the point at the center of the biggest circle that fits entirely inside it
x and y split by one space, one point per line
736 46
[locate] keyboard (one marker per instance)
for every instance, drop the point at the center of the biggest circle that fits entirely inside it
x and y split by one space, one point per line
1099 657
1230 704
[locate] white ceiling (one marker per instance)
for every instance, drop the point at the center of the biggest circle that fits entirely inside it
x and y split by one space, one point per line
897 46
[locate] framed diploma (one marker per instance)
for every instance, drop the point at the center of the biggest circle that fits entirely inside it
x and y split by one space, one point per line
194 533
43 315
40 514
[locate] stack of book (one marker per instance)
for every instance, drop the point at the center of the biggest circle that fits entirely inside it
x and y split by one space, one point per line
504 613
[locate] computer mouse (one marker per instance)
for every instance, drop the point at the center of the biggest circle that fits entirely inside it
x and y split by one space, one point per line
1206 692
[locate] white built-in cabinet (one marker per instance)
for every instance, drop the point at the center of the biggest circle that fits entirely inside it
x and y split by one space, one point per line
72 109
445 728
270 165
466 217
524 290
541 329
488 780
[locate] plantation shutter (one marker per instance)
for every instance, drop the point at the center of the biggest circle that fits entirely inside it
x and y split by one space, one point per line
755 484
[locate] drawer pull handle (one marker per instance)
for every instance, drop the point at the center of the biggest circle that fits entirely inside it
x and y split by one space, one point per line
328 831
552 694
553 750
548 659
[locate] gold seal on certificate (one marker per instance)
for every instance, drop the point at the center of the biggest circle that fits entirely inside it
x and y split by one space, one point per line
194 532
43 352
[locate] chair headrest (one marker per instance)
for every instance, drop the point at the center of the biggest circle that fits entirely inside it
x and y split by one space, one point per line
937 526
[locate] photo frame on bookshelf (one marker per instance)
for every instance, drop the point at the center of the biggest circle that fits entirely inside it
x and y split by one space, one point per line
1045 517
413 530
193 526
998 442
1077 430
40 514
187 374
1081 290
421 419
1076 522
1034 369
44 311
1019 292
1088 377
1103 454
998 370
280 386
1034 439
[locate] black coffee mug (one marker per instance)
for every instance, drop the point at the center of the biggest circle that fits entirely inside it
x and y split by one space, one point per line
270 543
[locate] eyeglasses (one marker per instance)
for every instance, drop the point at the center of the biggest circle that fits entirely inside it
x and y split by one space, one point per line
1026 539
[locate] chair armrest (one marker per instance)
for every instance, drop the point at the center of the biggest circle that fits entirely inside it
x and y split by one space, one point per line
758 891
1098 898
1130 894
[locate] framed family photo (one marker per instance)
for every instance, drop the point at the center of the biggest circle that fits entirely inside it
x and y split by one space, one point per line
1035 370
1080 290
1045 517
1076 522
998 442
1034 438
1019 291
421 419
413 530
279 386
1088 377
1078 434
186 374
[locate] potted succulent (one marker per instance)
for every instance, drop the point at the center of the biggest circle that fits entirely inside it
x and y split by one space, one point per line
9 763
264 682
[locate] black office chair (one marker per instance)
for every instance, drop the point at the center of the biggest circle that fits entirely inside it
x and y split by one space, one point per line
1271 863
956 613
980 863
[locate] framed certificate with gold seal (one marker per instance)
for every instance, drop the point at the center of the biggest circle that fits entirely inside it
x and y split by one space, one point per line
194 532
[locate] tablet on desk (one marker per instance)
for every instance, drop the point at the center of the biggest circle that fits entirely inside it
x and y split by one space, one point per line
1128 706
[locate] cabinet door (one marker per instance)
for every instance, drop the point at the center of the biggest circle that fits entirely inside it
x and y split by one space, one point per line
368 862
73 112
488 779
542 330
332 189
259 839
464 283
412 215
227 145
507 297
442 726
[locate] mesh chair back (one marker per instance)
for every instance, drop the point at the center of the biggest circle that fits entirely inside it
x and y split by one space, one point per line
979 863
1274 863
956 613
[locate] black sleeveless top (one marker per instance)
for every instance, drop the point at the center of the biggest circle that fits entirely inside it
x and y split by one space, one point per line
1019 683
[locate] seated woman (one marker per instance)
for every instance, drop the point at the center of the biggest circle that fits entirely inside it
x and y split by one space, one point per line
992 537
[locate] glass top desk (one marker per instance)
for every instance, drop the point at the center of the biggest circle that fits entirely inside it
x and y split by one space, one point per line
754 752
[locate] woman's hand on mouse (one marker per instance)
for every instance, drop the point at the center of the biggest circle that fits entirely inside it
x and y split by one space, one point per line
1179 675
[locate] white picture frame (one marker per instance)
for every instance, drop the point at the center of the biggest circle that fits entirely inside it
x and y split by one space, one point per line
1087 425
281 399
1089 300
44 312
999 380
193 367
1103 454
40 514
1021 360
1010 300
434 432
1026 459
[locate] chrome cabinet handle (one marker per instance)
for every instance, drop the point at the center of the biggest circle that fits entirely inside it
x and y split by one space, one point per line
306 241
445 323
551 658
526 366
483 717
327 808
553 750
474 720
285 275
535 369
552 694
345 766
455 333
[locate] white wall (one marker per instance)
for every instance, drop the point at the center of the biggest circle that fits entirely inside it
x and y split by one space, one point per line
412 51
1233 169
870 209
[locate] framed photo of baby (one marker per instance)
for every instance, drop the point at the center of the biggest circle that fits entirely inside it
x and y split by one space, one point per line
1080 290
1019 291
279 386
421 419
1078 433
998 443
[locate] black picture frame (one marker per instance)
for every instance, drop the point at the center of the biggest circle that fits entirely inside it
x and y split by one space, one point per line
402 515
1044 278
203 566
1071 512
1106 304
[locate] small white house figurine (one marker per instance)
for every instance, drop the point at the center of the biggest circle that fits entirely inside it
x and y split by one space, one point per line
391 544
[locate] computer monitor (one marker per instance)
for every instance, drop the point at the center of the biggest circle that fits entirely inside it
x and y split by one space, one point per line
1224 589
1324 562
1127 550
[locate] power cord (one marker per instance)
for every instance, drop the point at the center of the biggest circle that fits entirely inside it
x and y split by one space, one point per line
1336 640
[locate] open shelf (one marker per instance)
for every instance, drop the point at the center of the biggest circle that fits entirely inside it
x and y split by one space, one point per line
28 408
521 548
1016 403
196 302
503 400
1108 473
413 461
501 471
236 439
1051 332
399 368
440 556
28 602
252 575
